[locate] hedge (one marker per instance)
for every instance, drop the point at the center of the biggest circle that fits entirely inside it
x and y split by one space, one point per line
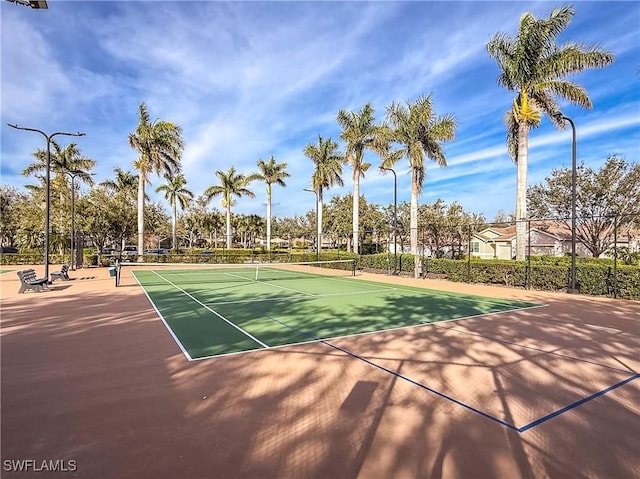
591 277
543 273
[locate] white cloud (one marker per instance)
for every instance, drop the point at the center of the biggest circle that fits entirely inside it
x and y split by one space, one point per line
246 80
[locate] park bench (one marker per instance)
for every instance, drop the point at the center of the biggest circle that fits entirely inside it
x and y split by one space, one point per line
63 274
28 280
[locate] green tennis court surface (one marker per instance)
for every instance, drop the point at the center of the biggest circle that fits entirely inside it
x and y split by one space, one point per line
222 311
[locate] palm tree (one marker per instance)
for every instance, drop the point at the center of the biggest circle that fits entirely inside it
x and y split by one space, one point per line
535 68
123 181
231 184
420 133
271 172
159 145
63 161
175 192
360 132
67 161
327 173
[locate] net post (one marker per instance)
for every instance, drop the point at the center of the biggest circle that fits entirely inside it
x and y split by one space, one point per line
353 267
118 268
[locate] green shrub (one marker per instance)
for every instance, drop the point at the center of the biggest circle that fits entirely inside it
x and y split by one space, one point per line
593 276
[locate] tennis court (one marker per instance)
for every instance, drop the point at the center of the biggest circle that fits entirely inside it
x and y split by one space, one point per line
227 309
357 377
215 310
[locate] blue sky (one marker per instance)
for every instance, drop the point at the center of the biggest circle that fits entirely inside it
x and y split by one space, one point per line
246 80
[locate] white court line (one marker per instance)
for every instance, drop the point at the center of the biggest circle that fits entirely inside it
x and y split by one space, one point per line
166 325
378 331
214 312
449 294
306 294
285 288
313 296
325 278
264 282
244 280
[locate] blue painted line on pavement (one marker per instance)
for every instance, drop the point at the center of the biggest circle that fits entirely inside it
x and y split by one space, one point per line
537 422
522 429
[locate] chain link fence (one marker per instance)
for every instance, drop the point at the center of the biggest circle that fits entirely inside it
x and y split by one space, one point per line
606 261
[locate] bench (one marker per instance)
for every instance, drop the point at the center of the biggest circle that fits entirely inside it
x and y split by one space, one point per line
63 274
28 280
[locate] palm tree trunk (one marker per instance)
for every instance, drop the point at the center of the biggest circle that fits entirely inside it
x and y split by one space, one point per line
268 218
521 190
229 224
413 225
174 226
356 211
319 220
141 181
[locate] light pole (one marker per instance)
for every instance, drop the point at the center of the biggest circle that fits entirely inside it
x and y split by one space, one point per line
73 174
395 218
573 203
318 224
47 188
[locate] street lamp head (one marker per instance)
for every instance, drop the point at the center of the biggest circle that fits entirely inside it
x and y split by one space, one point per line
79 172
37 4
311 191
48 137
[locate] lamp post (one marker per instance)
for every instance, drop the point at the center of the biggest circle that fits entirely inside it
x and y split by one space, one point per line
573 203
395 218
318 224
73 174
47 188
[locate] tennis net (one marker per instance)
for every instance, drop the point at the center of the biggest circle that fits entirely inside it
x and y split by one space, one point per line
183 273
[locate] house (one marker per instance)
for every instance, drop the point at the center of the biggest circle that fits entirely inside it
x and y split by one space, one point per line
276 242
494 243
542 239
628 238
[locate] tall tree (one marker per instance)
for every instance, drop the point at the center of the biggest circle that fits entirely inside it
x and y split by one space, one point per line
291 228
602 196
419 133
231 184
12 204
175 193
360 133
327 173
159 145
70 168
108 217
248 228
123 181
271 173
535 68
64 160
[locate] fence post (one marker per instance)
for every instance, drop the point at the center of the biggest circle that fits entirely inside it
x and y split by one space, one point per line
469 255
527 277
615 255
